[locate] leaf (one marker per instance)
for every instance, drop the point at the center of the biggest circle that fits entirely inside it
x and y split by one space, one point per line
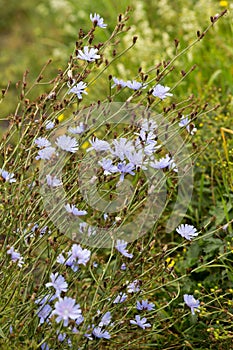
193 254
219 211
2 334
212 244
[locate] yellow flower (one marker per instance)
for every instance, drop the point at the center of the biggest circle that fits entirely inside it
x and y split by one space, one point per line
61 117
170 263
85 145
223 3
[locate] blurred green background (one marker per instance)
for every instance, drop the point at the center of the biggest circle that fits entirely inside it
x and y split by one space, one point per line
31 32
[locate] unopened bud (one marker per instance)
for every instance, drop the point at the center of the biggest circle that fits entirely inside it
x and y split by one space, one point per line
176 42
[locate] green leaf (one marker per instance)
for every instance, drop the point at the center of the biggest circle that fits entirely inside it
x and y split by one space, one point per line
2 334
213 244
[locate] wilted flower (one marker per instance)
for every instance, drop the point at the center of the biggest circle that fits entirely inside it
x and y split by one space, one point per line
87 54
97 20
192 303
187 231
161 91
121 247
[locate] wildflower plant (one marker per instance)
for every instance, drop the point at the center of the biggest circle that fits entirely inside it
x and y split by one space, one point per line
85 201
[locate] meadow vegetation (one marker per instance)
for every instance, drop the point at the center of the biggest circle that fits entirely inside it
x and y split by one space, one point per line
168 65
